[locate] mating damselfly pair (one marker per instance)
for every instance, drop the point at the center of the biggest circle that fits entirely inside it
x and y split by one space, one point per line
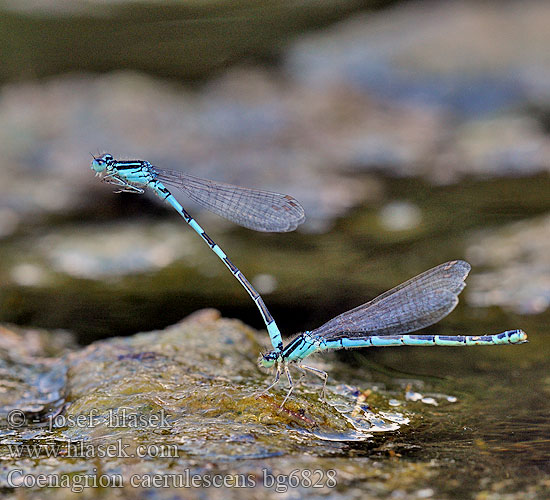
387 320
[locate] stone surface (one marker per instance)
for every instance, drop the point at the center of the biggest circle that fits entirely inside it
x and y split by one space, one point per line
517 262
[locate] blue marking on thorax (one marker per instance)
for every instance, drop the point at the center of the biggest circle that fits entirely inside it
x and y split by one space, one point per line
301 347
140 173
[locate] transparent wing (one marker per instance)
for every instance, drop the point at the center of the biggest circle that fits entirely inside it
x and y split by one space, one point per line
415 304
251 208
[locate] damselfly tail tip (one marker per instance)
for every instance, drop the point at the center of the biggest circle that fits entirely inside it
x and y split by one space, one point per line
520 337
512 337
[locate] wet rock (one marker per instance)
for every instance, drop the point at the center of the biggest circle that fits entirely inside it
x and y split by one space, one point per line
109 251
463 57
33 374
505 145
193 391
461 71
517 262
161 413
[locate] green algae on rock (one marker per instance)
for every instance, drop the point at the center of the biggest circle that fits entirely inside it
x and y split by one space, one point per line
172 399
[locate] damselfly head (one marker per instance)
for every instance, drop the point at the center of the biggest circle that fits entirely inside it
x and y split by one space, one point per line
102 162
268 359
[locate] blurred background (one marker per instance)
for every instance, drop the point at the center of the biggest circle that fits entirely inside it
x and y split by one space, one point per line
412 132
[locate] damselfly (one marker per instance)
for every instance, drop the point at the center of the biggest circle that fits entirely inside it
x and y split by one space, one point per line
387 320
251 208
